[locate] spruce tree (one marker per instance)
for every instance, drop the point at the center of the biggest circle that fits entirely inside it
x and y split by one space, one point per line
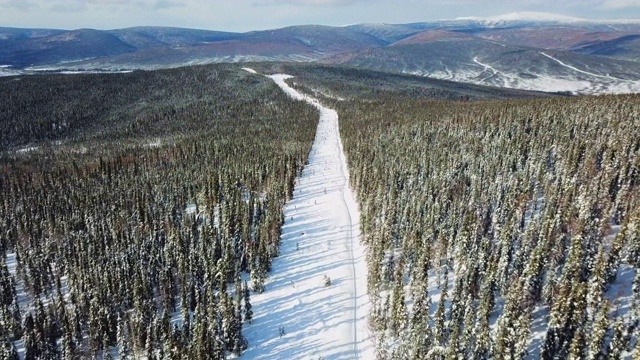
599 333
248 312
619 340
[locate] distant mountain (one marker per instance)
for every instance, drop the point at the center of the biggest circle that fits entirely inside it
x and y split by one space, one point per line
17 33
60 47
621 47
465 58
152 36
522 50
162 47
386 33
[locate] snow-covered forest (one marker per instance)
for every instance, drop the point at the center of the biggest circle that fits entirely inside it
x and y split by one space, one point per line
122 248
142 214
505 229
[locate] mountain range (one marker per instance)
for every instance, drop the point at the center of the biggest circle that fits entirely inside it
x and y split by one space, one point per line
531 51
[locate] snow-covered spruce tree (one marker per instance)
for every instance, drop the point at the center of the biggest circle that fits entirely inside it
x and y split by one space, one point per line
248 313
597 282
440 329
619 340
599 333
8 350
513 326
577 349
421 332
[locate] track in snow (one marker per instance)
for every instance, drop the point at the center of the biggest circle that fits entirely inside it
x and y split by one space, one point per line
320 237
608 77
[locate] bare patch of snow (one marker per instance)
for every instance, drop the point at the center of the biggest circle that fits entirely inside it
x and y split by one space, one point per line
26 149
190 209
154 144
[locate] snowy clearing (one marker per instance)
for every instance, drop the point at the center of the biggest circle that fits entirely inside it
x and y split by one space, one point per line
320 244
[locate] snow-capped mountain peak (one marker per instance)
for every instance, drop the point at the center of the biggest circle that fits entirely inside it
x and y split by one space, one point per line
534 16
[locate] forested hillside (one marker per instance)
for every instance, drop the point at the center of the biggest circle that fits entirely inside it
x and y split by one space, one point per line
131 106
336 82
501 229
134 203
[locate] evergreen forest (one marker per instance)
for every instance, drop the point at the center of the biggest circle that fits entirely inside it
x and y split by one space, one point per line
499 229
139 212
132 204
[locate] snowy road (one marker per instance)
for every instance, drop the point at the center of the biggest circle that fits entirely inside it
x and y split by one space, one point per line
320 237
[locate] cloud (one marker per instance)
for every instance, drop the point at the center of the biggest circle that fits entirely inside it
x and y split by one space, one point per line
69 7
621 4
167 4
18 4
81 5
77 6
309 2
105 2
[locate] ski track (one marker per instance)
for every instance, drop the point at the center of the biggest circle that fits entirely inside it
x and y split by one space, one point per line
320 236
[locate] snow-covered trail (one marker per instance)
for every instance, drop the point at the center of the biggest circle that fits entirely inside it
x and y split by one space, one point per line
320 237
486 67
608 77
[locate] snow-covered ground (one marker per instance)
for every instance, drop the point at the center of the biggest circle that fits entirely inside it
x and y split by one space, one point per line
320 238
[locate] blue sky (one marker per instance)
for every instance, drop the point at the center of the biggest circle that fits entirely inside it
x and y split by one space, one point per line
246 15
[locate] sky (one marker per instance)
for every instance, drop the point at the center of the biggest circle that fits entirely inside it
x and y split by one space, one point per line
247 15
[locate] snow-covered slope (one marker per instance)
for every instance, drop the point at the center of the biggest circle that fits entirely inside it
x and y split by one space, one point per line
320 241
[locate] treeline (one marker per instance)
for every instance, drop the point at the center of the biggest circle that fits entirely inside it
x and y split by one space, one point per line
137 249
505 229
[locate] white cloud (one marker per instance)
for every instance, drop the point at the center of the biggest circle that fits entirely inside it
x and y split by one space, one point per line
69 7
18 4
309 2
168 4
621 4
